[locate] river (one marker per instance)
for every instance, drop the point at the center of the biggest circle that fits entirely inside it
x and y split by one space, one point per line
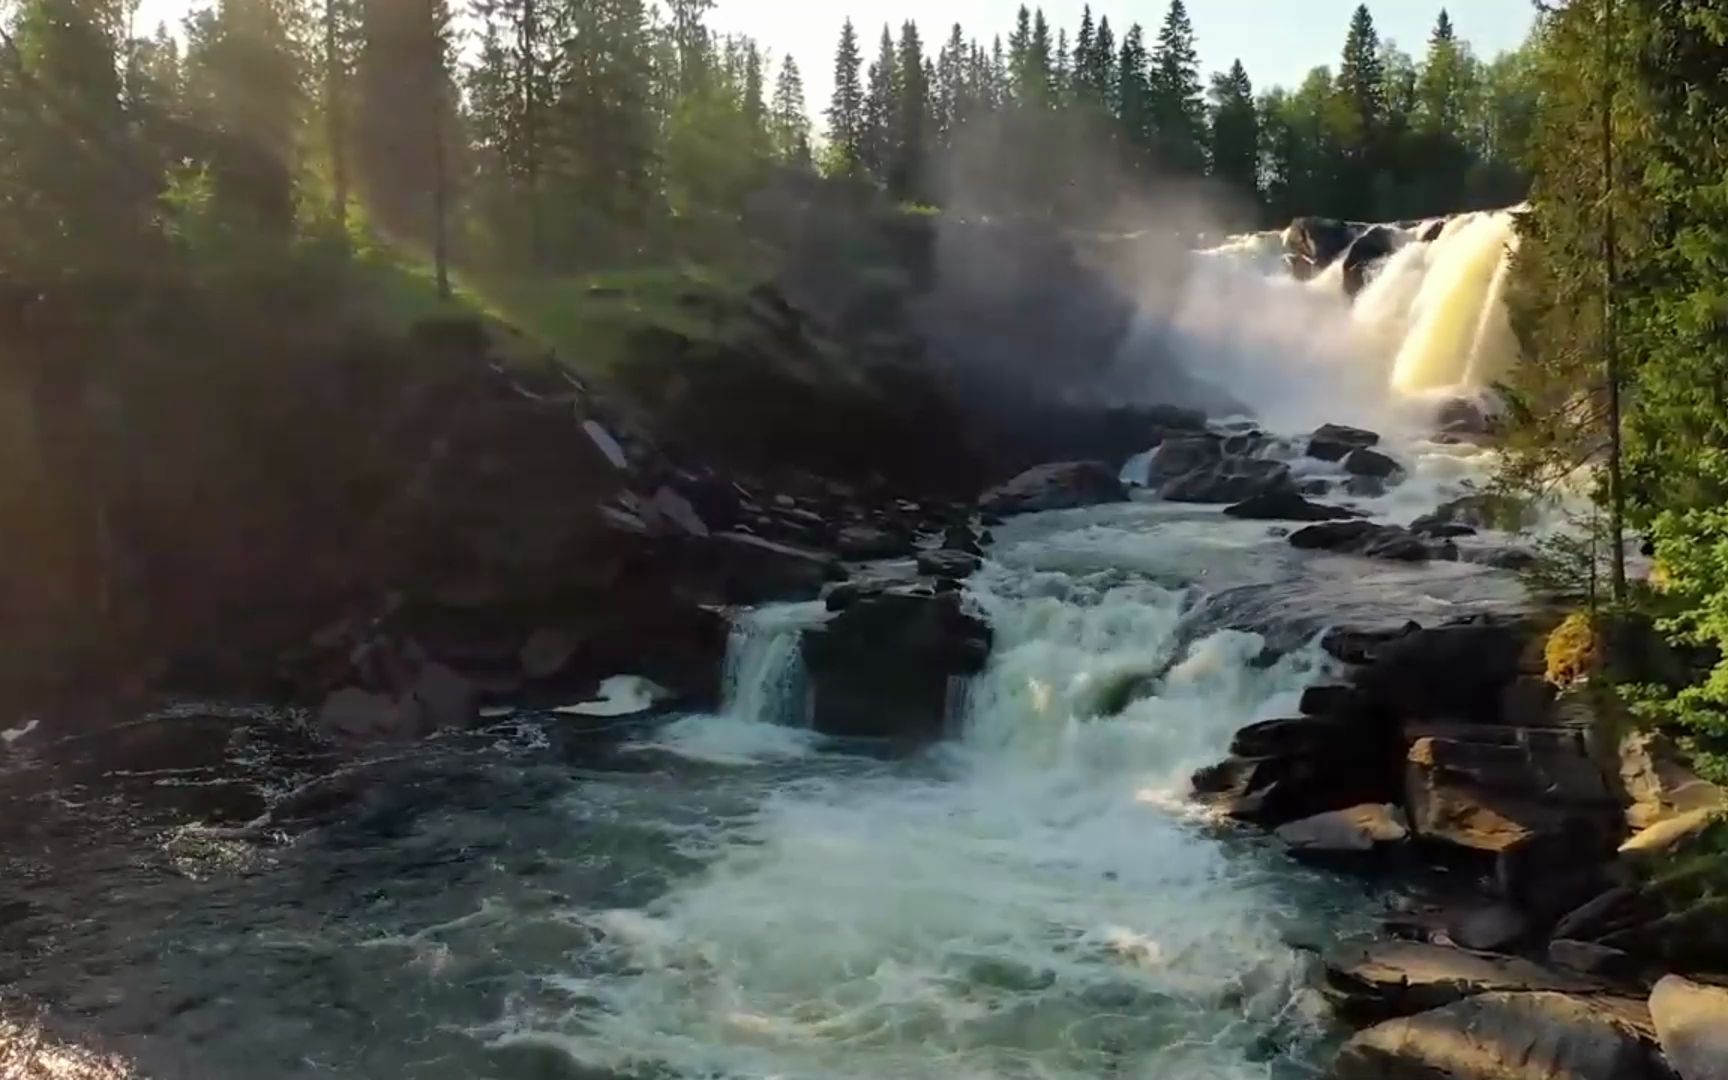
732 897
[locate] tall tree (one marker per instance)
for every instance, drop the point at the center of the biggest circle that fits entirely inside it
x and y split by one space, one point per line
1136 104
788 119
1236 132
1444 85
911 127
881 98
1178 106
846 119
1361 79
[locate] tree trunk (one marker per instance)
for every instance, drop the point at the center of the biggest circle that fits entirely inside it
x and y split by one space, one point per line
440 170
1610 344
335 118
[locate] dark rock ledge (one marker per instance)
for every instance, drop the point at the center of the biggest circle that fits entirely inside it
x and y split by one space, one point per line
1558 944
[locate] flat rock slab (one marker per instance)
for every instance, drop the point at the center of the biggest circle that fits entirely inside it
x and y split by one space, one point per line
1691 1020
1399 978
1508 1036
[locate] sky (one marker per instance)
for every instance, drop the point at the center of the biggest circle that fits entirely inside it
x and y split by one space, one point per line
1278 41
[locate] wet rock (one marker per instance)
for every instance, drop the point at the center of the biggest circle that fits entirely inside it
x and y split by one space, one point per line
1456 671
1334 701
882 667
1366 251
1284 738
548 650
1497 1036
1178 457
1437 530
1691 1021
1385 979
751 569
1360 647
1057 486
1355 829
1587 958
1284 504
948 564
1365 487
1464 417
1362 538
676 514
1365 462
1312 243
437 698
1690 937
1232 480
1484 510
1334 442
867 542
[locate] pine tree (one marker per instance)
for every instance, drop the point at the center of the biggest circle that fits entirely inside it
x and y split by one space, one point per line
605 128
1444 83
1178 107
244 84
1361 80
791 125
1135 100
951 89
1235 132
1020 58
1104 61
846 120
1086 81
911 126
880 113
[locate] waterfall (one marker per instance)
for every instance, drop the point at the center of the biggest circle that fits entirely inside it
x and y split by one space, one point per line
1432 318
765 698
764 678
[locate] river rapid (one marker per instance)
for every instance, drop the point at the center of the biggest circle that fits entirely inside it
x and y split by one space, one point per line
732 896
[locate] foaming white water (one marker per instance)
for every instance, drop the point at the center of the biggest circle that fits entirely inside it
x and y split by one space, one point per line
1431 318
1032 901
764 713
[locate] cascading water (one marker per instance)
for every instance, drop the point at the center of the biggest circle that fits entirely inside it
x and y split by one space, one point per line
1432 318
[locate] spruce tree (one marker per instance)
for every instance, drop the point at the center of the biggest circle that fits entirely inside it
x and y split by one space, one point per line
881 98
790 123
1361 79
1178 106
1235 132
1135 101
1086 81
1104 60
1443 84
911 124
846 122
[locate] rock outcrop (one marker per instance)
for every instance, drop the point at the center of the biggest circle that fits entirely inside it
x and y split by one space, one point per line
1500 1036
883 666
1691 1020
1057 486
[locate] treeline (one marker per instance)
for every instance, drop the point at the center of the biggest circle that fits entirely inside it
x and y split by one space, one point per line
1621 303
1383 136
579 132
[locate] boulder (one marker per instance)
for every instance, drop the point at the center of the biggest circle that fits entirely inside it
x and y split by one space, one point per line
947 563
1231 480
883 665
1365 487
1490 927
1057 486
1484 510
1362 538
1664 838
1284 504
1367 250
749 569
1457 671
436 698
1182 455
1359 647
862 543
1312 243
1366 462
1691 1021
1464 417
1298 735
1356 829
1587 958
1507 1036
548 650
1334 442
1658 783
1493 798
1386 979
1689 938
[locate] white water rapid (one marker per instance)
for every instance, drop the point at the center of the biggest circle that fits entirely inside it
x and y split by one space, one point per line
1036 898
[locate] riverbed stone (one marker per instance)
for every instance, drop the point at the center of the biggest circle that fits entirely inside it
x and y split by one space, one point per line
1366 462
1356 829
1334 442
1063 485
1508 1036
1691 1020
1386 979
1285 504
